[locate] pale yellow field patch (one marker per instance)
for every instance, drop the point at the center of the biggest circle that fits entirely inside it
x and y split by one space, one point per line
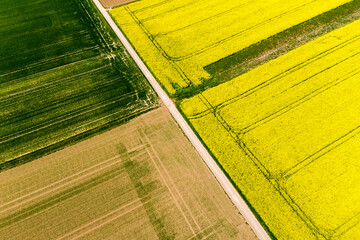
142 180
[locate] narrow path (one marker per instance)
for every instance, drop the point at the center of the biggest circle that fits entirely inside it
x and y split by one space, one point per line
210 162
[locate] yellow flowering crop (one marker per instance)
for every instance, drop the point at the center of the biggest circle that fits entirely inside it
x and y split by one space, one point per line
178 38
287 133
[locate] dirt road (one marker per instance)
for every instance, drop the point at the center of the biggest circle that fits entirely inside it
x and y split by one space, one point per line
220 176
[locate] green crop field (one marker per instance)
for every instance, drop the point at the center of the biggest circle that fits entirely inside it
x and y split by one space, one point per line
178 39
287 133
121 184
63 76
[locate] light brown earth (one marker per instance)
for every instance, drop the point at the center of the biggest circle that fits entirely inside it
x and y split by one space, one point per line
142 180
114 3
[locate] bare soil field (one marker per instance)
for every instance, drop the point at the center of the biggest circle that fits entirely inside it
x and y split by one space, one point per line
142 180
114 3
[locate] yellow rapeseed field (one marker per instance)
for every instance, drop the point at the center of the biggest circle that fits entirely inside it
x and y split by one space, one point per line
178 38
287 133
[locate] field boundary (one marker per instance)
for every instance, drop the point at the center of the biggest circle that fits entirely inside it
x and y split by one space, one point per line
57 146
210 162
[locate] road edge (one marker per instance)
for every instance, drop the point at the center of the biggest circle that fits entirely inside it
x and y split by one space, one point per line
210 162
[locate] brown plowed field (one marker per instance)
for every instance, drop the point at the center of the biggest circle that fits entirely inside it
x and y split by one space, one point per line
114 3
142 180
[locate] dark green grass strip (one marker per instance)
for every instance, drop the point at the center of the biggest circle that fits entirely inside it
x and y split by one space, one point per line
273 47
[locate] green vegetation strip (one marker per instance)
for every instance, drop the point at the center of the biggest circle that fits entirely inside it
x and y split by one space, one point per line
273 47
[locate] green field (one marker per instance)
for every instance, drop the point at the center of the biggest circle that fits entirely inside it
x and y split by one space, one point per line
288 132
122 184
63 76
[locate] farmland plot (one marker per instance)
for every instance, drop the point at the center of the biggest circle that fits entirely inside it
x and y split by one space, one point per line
63 76
122 184
177 39
287 133
113 3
